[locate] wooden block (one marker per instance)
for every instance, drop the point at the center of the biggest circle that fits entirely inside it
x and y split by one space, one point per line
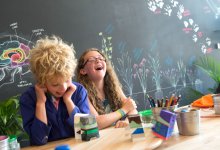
135 121
138 135
77 128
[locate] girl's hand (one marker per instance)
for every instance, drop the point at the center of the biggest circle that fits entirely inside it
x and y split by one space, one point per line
69 92
128 105
121 124
40 93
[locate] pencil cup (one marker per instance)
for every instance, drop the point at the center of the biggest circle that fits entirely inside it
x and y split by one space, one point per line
188 122
156 110
216 100
172 108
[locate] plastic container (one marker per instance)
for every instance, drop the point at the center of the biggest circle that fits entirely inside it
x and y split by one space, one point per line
146 118
13 143
4 142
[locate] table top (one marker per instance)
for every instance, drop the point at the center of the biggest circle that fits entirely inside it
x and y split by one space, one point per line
120 138
110 138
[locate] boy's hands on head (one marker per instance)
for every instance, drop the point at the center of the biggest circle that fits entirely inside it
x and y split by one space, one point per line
69 92
40 93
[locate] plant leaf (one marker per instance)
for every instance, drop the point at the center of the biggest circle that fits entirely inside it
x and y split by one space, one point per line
210 66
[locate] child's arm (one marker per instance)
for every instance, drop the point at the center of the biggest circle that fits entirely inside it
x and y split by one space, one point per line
40 111
78 102
107 120
124 99
67 98
37 130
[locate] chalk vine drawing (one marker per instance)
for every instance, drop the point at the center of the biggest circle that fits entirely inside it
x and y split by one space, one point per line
125 68
174 7
178 77
14 52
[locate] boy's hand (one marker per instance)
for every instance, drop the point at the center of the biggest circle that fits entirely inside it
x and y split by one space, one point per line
69 92
40 93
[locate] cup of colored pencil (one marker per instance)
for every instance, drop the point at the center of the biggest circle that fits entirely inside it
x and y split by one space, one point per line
168 103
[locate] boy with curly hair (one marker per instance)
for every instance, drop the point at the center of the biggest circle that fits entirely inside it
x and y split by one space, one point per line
48 108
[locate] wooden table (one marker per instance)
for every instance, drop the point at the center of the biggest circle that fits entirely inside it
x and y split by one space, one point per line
111 138
208 138
119 139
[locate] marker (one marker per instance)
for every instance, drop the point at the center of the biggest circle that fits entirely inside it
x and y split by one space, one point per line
166 102
151 103
158 103
178 99
152 100
162 103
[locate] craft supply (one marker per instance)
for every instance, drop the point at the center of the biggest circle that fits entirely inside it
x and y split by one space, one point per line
13 143
171 99
62 147
188 122
146 118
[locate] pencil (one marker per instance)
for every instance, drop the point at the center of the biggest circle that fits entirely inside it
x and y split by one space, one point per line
170 101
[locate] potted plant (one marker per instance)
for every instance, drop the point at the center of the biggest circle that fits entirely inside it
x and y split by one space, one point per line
211 66
11 120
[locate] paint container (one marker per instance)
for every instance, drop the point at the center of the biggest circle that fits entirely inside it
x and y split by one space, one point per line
146 118
216 100
188 122
4 142
13 143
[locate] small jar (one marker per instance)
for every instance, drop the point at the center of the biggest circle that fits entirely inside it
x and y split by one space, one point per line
13 143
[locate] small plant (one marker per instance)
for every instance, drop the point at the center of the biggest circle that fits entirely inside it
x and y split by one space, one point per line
211 67
10 118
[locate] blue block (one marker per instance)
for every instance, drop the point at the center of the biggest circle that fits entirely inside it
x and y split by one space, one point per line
164 131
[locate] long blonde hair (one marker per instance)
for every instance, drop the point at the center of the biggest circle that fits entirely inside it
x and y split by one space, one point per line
112 86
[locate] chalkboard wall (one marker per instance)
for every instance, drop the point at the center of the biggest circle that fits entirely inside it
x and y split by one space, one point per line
152 44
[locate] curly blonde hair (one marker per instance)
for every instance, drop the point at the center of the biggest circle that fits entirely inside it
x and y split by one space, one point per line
51 57
112 86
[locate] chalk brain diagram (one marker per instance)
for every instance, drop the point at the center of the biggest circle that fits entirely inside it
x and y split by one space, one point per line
13 56
174 7
14 53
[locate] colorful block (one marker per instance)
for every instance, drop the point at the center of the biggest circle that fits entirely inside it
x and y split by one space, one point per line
164 124
90 134
86 127
135 121
137 135
77 127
